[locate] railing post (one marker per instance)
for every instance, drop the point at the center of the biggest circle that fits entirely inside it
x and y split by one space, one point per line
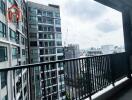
88 65
111 69
128 59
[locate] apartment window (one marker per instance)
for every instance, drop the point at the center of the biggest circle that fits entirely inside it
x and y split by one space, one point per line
46 51
33 35
3 53
32 18
33 43
32 26
52 51
3 79
59 50
22 40
46 44
14 36
46 59
58 36
52 58
58 29
40 28
2 7
2 30
39 12
57 14
34 51
41 59
51 43
41 51
40 35
57 22
41 44
50 29
60 57
59 43
44 13
40 19
49 21
50 14
14 53
23 52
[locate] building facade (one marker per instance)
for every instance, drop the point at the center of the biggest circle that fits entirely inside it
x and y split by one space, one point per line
44 26
13 47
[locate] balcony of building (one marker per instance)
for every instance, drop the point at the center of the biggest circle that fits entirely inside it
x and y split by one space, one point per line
105 77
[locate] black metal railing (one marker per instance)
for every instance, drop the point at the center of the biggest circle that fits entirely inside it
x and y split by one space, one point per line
68 79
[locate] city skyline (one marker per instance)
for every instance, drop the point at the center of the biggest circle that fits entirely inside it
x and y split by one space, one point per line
92 25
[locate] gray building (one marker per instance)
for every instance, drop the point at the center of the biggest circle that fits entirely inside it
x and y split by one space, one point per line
71 51
44 26
13 50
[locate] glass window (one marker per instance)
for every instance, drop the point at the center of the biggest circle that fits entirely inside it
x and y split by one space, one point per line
3 79
3 53
59 50
58 36
22 40
57 22
50 14
58 29
2 30
33 43
57 14
2 7
14 53
33 35
39 12
14 36
59 43
40 27
23 52
32 26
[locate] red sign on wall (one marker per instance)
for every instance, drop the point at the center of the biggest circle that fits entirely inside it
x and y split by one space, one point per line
14 14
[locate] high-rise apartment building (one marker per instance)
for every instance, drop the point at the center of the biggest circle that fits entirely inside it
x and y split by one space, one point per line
44 29
13 36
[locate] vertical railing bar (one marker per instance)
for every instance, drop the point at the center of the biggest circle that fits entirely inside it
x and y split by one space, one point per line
44 73
69 71
87 75
98 73
78 75
71 63
102 68
75 75
106 68
93 71
91 74
81 76
14 83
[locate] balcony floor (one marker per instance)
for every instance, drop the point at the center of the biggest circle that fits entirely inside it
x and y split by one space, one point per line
124 94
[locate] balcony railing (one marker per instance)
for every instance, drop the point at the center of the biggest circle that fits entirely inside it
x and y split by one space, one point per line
71 79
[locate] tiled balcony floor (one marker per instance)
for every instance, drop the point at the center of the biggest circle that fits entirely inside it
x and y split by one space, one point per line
124 94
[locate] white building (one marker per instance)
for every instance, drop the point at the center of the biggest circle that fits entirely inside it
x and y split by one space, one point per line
46 45
13 85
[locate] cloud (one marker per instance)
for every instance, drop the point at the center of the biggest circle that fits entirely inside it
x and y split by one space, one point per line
85 9
107 26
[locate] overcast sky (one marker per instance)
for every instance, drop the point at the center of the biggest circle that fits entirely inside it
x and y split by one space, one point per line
88 23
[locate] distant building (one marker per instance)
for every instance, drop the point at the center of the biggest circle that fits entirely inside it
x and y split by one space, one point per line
71 51
94 52
107 49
